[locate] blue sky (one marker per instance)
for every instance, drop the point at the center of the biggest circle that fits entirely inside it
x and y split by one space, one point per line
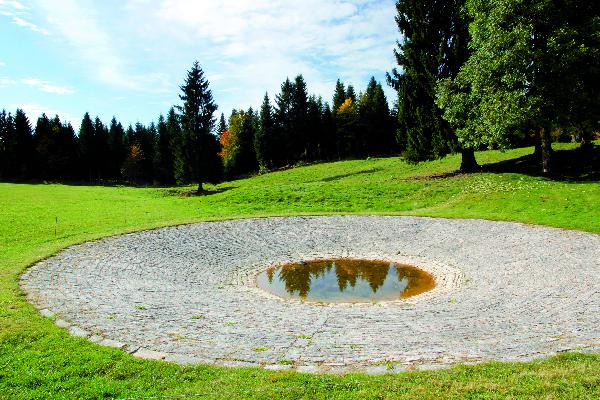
127 58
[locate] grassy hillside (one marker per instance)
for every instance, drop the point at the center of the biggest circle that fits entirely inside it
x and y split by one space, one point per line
40 360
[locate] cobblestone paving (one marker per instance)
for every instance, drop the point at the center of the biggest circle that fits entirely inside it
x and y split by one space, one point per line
505 291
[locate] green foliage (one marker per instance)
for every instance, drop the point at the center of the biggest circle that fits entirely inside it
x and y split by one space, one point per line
163 157
534 66
241 156
198 148
375 121
264 138
433 46
117 148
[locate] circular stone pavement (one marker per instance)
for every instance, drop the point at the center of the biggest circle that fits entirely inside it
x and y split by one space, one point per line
505 291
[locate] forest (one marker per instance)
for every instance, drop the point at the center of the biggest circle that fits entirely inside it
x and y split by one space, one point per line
470 76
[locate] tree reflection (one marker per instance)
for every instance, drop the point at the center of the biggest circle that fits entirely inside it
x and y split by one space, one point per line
298 277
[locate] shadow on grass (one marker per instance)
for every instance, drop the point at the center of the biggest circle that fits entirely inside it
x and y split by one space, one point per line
577 165
205 192
342 176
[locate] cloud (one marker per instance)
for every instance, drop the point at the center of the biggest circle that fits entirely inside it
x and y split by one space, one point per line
47 87
13 4
7 82
16 11
29 25
78 24
2 64
261 42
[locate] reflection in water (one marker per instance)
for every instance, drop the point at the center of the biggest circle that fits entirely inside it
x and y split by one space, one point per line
345 280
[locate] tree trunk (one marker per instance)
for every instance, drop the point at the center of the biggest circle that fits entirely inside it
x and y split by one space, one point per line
546 144
469 163
537 152
200 189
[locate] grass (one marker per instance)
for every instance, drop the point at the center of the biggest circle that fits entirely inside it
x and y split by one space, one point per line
40 360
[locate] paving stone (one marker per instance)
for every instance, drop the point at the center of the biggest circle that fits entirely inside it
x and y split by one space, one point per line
78 332
505 291
62 323
149 354
112 343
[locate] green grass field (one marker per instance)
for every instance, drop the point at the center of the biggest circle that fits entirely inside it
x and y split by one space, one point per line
40 360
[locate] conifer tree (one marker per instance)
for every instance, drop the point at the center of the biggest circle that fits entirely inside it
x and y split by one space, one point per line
198 147
8 159
283 116
222 127
327 137
24 149
346 124
102 159
375 121
118 150
265 136
299 110
175 137
339 96
163 158
423 25
87 147
44 148
351 94
63 161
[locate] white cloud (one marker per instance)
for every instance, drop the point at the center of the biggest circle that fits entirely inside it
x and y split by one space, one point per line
261 42
2 64
16 11
13 4
79 25
47 87
29 25
7 82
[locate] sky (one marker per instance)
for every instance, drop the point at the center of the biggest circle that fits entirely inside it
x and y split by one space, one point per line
127 58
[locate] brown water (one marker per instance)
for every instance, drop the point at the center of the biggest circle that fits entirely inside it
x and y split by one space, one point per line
345 281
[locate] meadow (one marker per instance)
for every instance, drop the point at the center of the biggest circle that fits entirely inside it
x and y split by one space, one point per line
40 360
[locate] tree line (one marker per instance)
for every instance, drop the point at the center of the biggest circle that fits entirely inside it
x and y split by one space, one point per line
298 127
188 145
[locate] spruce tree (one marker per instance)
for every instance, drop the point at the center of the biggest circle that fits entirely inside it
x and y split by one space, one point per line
44 148
351 94
419 55
64 160
327 138
264 140
163 158
24 150
175 136
222 127
339 96
118 150
197 142
8 159
298 124
375 121
87 147
313 128
102 149
283 116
